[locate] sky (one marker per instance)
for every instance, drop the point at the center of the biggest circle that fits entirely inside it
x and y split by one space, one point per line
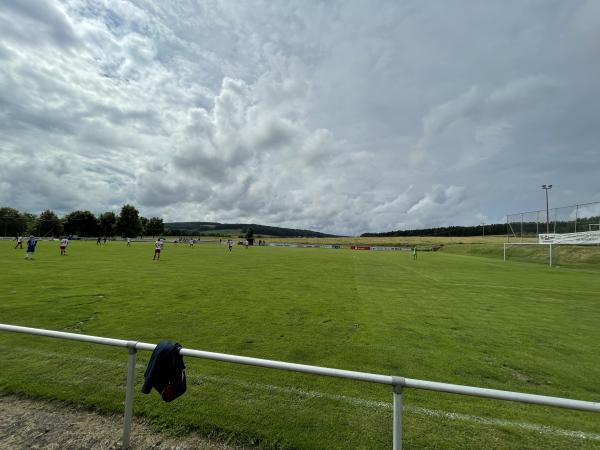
337 116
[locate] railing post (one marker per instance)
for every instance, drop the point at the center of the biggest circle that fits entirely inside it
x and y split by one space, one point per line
397 385
129 395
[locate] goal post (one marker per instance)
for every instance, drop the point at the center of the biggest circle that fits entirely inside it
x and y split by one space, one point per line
508 245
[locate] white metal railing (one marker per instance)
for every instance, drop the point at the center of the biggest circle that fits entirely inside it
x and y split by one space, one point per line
397 383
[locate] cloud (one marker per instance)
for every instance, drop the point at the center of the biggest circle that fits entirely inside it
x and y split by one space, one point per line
340 117
26 17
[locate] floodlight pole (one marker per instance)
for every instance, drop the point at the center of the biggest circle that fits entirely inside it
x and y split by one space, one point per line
483 229
547 188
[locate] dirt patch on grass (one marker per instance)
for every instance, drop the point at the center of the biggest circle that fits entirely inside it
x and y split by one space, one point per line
39 424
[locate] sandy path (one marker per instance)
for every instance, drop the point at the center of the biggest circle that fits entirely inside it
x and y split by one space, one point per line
38 424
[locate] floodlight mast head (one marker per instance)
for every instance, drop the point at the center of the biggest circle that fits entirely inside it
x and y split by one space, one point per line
547 188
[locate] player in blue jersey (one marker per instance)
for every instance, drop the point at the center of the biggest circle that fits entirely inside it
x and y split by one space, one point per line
31 244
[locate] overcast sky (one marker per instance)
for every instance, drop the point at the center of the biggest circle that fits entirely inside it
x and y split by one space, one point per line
337 116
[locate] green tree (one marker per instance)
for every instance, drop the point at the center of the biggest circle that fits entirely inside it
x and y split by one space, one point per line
107 222
155 226
28 221
249 233
82 223
12 223
144 221
128 222
47 224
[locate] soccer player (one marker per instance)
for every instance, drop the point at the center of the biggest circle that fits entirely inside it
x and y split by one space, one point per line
414 253
246 243
191 242
31 243
98 242
230 244
128 242
157 247
63 246
19 242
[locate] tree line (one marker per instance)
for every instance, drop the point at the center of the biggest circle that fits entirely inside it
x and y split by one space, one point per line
478 230
128 223
517 227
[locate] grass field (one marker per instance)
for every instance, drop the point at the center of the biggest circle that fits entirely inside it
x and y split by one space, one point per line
447 317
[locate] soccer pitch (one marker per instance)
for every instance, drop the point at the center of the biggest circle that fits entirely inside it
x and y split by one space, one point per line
449 318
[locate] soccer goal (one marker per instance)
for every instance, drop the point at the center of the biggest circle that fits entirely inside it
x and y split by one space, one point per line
528 251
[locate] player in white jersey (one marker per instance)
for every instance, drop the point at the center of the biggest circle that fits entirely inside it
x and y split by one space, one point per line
63 246
157 247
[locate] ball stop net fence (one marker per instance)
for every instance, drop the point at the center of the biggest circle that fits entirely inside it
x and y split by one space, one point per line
553 235
577 220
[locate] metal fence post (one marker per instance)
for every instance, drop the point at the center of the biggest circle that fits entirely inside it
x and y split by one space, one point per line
129 395
397 385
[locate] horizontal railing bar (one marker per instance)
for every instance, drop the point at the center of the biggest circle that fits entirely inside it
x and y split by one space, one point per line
317 370
65 335
503 395
359 376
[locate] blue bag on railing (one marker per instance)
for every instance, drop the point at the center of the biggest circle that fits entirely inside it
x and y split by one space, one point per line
165 372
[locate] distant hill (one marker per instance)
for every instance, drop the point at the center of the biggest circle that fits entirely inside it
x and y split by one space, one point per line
214 228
